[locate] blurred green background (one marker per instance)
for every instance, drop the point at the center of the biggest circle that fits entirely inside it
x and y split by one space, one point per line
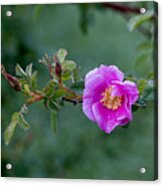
79 149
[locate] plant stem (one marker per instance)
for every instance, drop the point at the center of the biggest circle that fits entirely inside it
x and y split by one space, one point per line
121 8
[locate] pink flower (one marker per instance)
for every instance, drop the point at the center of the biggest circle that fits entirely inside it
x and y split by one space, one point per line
107 99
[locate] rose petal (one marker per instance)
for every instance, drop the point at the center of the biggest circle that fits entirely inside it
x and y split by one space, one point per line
92 94
91 74
111 73
105 118
124 113
128 88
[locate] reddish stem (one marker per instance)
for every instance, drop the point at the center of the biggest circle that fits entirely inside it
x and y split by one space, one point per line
121 8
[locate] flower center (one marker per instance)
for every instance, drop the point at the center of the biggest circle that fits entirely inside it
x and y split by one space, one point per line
109 101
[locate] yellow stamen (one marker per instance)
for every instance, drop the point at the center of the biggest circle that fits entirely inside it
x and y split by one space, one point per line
109 101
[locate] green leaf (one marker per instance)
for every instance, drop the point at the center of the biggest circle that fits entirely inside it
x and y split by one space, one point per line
11 128
59 93
33 80
141 83
66 75
147 45
75 75
23 123
28 70
148 94
46 59
53 120
78 85
138 20
68 67
50 89
61 54
27 89
54 105
19 71
24 109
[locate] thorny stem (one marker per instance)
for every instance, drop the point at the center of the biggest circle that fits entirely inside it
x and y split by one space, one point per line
76 99
72 100
35 98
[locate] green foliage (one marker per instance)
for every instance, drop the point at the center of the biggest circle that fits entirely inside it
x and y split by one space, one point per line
65 83
148 92
23 123
33 80
54 105
66 147
11 128
141 83
68 67
56 90
19 71
17 119
53 93
138 20
61 54
145 46
78 85
28 70
24 109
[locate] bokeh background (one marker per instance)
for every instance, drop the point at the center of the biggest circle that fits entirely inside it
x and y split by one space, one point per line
79 149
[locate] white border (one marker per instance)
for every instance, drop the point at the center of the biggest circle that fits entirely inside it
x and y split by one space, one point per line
66 182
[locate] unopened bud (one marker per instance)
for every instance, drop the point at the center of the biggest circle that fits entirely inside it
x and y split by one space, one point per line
13 82
58 67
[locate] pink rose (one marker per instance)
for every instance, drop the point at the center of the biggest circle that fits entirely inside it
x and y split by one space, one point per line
107 99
